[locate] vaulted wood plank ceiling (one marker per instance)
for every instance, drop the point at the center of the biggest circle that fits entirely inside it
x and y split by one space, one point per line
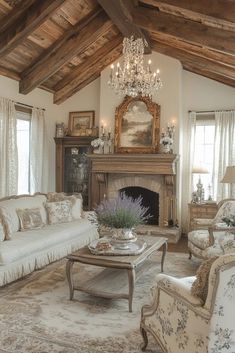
62 45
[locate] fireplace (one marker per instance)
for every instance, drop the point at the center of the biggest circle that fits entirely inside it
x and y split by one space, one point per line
152 176
150 199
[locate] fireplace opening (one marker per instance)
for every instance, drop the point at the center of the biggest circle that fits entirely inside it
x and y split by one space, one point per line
150 200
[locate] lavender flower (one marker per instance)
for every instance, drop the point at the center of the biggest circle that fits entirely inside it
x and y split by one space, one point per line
122 212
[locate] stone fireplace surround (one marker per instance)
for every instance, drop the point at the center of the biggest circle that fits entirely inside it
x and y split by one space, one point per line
155 172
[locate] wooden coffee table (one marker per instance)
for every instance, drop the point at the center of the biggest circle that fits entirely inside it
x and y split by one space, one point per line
126 263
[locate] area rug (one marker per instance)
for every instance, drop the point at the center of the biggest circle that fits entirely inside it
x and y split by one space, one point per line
36 315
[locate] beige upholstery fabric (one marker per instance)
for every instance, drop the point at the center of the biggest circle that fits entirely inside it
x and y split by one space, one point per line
2 232
199 238
59 212
32 241
30 218
8 210
200 285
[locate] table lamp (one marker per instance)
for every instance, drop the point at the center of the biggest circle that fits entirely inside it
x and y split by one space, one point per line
199 194
229 177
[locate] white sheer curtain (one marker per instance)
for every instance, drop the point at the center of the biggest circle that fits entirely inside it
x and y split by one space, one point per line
38 157
8 148
224 152
188 156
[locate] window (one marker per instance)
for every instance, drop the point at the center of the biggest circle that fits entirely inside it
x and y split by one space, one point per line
23 135
204 150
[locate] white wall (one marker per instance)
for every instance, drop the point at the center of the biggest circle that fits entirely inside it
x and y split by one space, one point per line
168 96
86 99
200 93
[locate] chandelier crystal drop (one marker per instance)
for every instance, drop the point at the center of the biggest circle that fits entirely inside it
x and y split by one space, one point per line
133 78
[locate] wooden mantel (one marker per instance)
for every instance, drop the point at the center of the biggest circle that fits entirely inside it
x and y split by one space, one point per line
164 164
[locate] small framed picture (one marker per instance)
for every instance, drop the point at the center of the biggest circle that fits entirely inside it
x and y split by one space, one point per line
81 122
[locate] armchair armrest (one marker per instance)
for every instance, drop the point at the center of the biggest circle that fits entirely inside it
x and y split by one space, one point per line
219 228
179 287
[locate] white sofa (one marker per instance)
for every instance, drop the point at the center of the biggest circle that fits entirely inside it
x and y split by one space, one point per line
30 250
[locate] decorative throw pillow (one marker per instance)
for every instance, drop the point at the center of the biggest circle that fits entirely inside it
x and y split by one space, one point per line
6 221
76 200
200 285
30 218
59 212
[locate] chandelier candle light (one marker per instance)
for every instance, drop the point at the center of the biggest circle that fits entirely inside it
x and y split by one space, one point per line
133 78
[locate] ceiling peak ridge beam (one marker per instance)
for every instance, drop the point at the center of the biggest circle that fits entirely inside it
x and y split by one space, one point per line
20 24
92 66
182 29
119 12
214 13
195 60
65 49
208 74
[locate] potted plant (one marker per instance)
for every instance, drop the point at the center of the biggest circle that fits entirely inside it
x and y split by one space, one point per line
121 215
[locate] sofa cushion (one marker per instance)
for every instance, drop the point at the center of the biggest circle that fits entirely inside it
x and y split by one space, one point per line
8 209
32 241
30 218
2 232
59 212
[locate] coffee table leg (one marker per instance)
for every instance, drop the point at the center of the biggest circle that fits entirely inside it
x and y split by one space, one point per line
69 267
131 281
164 249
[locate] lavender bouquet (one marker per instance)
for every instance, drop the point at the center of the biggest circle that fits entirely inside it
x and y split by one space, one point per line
122 212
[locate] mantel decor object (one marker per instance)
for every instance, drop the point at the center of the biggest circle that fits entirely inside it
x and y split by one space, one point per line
82 123
137 126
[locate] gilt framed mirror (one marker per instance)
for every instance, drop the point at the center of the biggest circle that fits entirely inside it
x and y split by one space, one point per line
137 126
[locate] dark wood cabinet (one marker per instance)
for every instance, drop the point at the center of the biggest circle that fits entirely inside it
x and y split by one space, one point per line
72 165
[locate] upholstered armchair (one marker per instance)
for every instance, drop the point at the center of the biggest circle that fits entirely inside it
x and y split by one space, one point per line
209 242
183 323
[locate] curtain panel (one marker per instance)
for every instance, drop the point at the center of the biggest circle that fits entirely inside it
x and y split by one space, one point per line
8 148
224 153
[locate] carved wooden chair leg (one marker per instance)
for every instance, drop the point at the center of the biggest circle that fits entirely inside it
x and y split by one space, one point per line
145 338
190 255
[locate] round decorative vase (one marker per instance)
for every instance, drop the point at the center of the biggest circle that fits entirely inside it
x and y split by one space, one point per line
165 148
98 150
122 234
123 238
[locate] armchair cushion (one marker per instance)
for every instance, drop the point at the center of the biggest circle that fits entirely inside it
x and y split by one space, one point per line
200 285
200 238
225 210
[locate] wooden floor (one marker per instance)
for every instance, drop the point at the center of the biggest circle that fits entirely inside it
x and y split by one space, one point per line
181 246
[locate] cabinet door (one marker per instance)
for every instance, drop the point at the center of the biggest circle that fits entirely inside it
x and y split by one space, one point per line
76 171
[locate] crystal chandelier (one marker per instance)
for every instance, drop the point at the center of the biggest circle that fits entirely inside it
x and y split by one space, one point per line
133 78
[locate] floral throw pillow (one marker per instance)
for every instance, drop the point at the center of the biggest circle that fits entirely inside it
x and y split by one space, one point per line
59 211
76 201
200 285
30 218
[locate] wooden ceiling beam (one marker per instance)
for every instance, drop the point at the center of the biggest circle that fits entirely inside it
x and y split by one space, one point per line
65 49
208 74
189 31
195 60
216 13
194 49
23 20
119 12
91 67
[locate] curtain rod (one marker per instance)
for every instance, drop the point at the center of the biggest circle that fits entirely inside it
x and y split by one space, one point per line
210 111
27 105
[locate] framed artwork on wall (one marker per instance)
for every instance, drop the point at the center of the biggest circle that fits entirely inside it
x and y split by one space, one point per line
137 126
81 123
